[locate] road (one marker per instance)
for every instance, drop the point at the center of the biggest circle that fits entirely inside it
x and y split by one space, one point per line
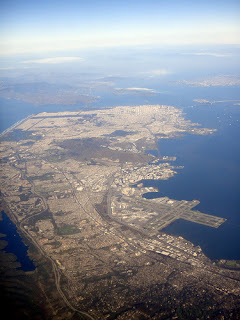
57 274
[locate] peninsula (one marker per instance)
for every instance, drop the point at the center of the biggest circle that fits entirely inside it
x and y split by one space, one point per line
73 183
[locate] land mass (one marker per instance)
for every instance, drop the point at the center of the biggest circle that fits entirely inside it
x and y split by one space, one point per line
217 81
43 93
73 183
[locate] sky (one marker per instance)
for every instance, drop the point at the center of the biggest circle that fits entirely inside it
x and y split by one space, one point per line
45 26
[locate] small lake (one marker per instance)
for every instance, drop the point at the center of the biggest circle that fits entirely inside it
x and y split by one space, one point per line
15 243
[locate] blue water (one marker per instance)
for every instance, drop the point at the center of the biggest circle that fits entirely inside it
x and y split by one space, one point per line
15 244
11 111
211 175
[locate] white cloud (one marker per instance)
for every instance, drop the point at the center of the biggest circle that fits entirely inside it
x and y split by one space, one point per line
160 72
135 90
13 68
157 72
213 54
140 89
54 60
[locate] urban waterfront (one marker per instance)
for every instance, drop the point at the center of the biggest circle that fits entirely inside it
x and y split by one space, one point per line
211 164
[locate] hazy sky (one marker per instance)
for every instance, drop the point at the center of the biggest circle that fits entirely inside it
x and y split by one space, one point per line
33 26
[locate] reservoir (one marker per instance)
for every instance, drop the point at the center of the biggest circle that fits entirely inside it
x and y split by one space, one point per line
15 243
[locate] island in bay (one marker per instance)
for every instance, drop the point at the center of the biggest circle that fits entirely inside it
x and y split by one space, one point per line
73 183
